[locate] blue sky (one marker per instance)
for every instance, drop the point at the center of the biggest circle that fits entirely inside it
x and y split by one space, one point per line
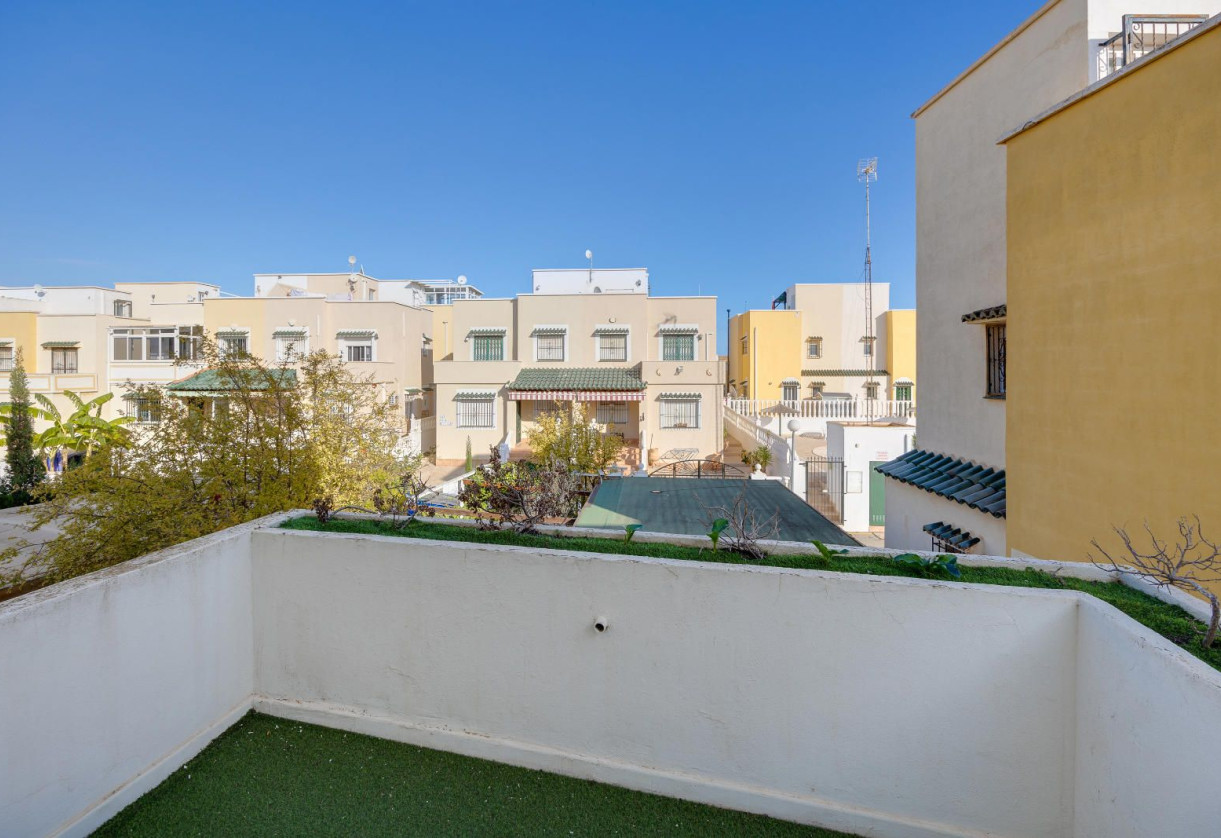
714 143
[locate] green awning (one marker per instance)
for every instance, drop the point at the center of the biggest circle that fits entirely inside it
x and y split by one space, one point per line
61 344
465 395
233 333
678 329
289 333
356 334
578 378
216 381
611 330
549 330
487 330
677 396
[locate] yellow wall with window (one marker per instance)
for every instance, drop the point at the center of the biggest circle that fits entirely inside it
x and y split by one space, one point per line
775 352
21 327
1114 295
899 330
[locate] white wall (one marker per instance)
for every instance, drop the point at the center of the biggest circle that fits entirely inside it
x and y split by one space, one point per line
879 706
585 281
105 677
858 446
908 509
810 690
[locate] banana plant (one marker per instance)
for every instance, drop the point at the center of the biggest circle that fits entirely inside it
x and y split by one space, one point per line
84 430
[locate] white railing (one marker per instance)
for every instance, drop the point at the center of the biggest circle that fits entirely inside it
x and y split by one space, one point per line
823 408
750 432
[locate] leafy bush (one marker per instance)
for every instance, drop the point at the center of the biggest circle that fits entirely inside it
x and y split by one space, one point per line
930 566
760 456
520 496
565 438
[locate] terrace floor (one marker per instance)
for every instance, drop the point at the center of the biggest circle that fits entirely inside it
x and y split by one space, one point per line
269 776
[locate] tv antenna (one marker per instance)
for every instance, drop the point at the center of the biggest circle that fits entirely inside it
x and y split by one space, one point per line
867 173
589 254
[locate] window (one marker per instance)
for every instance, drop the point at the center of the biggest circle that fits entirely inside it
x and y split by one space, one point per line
146 410
680 413
489 348
867 347
678 347
64 360
816 389
476 413
291 347
190 339
358 350
745 341
612 348
789 391
549 347
871 390
903 392
122 308
996 360
612 413
234 346
6 358
814 348
156 344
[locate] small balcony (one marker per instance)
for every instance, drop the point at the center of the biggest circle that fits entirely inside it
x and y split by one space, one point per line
1141 35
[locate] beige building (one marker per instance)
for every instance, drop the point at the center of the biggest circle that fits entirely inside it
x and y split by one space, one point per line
646 367
95 340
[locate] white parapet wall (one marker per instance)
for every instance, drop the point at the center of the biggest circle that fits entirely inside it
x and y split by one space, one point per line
882 706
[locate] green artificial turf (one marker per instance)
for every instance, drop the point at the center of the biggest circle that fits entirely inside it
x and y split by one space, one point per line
271 777
1169 621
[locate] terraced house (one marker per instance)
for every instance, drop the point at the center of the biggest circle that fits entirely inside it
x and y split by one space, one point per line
646 367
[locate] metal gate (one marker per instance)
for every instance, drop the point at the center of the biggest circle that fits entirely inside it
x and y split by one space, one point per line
825 487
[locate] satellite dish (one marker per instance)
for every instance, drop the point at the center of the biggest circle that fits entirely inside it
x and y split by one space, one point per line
589 254
38 291
351 260
462 280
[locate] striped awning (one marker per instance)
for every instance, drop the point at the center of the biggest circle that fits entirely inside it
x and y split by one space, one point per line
549 330
60 344
574 396
611 330
791 381
289 332
678 328
233 333
356 334
466 395
683 396
487 330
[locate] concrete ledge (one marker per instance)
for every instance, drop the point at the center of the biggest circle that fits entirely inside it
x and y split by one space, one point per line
811 810
1197 608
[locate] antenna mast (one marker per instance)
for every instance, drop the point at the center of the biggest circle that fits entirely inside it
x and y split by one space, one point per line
867 173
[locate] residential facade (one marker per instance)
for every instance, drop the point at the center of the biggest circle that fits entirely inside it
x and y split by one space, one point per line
961 277
1115 324
94 340
819 342
644 366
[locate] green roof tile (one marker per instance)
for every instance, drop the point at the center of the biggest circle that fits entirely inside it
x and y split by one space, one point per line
578 378
843 373
216 381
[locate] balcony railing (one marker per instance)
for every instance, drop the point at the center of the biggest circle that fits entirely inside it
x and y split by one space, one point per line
1141 35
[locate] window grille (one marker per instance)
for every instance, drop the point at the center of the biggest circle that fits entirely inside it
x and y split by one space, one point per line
145 410
489 348
6 358
871 390
996 360
234 347
903 392
612 413
359 352
678 347
612 347
550 347
291 348
813 348
63 360
680 413
476 413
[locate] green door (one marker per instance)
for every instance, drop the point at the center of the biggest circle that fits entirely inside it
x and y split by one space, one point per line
877 496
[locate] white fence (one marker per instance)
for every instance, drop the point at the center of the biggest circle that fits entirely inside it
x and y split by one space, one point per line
898 708
750 433
814 414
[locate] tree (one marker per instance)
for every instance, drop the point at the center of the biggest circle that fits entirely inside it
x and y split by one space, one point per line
262 439
84 430
521 495
566 438
1191 564
25 469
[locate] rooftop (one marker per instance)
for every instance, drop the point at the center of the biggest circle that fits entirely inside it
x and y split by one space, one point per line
625 379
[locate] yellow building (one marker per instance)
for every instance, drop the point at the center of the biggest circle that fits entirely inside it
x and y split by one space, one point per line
815 345
1114 298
